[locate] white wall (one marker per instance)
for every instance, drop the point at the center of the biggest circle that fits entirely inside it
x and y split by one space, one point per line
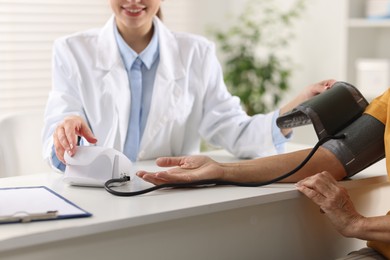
317 49
319 35
195 16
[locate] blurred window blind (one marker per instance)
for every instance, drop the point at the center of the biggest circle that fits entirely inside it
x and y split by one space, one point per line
27 31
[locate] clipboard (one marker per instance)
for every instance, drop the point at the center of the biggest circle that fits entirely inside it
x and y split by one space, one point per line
36 203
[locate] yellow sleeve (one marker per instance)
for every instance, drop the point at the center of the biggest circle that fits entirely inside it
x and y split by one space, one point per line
381 247
379 108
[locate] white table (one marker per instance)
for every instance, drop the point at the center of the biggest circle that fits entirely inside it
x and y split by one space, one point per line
273 222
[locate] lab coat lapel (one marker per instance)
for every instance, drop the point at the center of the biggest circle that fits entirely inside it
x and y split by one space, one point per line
116 82
167 90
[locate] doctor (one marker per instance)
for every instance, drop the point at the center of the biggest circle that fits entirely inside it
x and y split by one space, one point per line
135 86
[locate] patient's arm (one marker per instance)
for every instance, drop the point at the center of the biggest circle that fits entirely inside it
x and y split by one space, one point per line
194 168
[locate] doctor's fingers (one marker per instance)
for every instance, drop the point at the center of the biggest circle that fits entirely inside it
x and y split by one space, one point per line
75 126
64 139
320 87
59 150
327 83
58 147
86 132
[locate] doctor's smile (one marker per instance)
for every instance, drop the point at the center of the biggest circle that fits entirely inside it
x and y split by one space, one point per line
133 10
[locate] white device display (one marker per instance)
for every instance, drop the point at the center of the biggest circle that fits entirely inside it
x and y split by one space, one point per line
94 165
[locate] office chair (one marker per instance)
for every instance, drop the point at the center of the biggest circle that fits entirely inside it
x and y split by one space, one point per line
20 144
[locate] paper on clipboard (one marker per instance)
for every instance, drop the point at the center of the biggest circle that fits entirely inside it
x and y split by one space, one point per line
36 200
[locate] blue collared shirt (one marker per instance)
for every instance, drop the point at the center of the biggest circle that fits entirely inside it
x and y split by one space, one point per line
277 137
150 58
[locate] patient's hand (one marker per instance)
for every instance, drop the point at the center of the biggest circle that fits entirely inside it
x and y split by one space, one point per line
334 201
189 169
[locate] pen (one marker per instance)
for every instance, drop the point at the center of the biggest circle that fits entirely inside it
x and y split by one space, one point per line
28 217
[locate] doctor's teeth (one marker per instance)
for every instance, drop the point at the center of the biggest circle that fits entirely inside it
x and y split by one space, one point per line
135 11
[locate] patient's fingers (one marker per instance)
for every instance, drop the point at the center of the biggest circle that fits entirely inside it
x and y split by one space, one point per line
166 177
169 161
184 162
150 177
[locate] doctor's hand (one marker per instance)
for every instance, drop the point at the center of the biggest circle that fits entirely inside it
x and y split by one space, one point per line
315 89
333 200
188 169
307 93
66 134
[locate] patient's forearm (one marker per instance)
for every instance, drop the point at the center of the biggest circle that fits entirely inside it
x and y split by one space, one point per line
371 228
264 169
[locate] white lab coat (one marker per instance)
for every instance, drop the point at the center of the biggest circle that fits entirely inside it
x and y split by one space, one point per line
190 100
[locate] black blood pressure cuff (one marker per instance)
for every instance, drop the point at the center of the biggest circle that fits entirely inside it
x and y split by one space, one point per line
362 146
329 111
337 111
